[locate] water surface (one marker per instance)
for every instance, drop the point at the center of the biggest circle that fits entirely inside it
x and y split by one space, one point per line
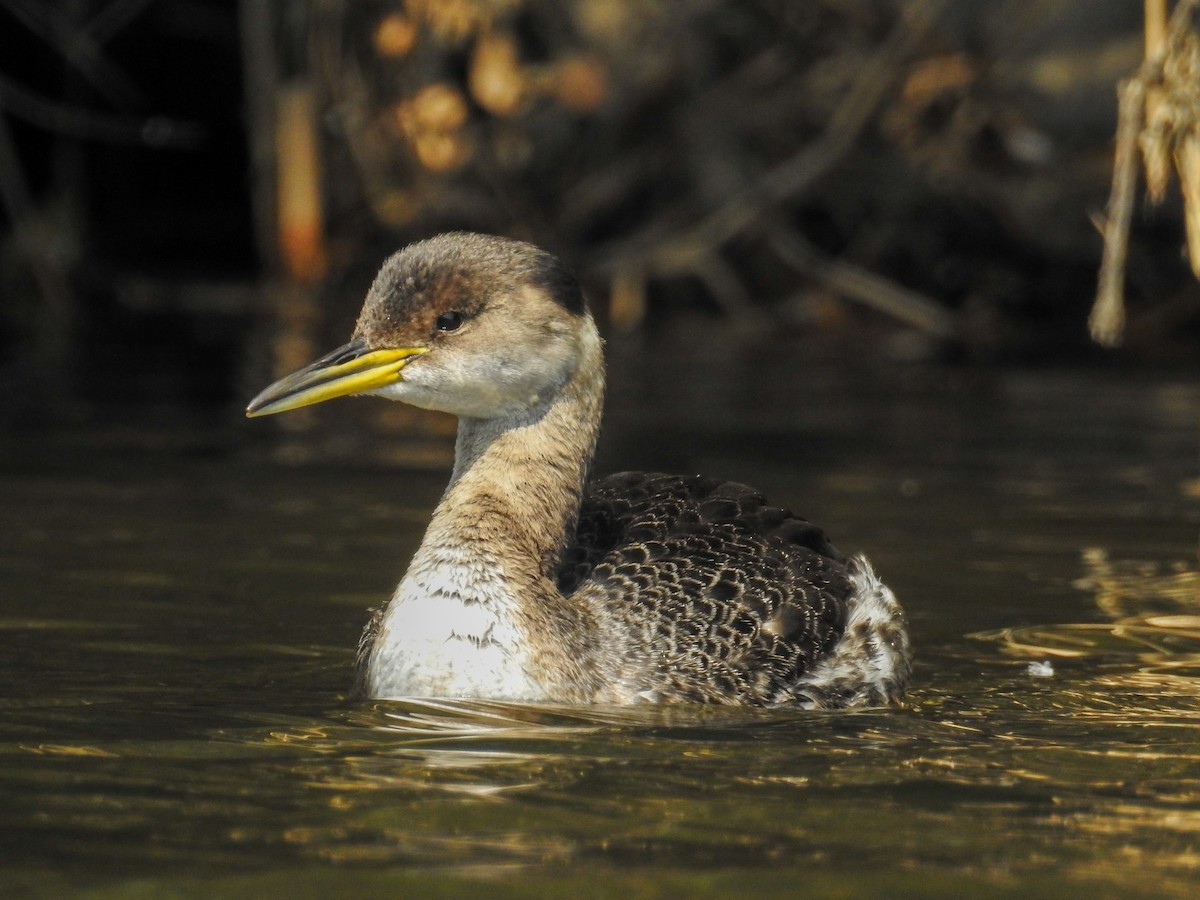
179 623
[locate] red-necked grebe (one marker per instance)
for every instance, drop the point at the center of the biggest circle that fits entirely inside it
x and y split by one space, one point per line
532 584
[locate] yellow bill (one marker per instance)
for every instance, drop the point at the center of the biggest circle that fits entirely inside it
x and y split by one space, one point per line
350 369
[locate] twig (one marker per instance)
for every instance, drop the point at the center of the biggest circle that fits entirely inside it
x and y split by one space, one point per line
866 287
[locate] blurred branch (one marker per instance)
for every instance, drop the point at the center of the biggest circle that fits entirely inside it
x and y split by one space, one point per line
865 287
18 204
111 20
791 178
46 263
75 121
79 42
260 65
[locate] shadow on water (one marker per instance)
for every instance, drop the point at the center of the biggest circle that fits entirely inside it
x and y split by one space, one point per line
179 631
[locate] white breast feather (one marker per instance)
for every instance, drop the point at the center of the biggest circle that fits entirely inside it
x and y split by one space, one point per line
431 643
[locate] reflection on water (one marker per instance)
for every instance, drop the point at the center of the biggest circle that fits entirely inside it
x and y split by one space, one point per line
1127 587
178 633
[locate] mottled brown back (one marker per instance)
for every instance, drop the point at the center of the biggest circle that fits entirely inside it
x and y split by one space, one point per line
708 593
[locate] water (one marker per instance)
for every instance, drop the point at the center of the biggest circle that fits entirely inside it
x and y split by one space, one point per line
178 626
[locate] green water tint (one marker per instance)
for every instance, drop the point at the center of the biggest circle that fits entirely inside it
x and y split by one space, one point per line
179 632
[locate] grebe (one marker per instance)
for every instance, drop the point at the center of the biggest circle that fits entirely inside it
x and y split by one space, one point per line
531 584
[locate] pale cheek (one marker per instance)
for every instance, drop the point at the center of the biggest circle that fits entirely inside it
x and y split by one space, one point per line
484 385
509 383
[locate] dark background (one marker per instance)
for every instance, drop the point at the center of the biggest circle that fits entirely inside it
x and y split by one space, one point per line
140 262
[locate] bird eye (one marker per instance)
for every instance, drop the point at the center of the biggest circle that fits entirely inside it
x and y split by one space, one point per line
449 321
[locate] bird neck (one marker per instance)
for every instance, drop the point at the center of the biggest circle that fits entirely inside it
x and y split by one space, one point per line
515 492
514 496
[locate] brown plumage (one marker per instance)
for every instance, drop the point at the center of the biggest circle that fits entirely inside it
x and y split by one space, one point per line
529 585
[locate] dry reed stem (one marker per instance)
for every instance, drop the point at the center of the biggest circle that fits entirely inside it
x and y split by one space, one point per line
1187 163
1158 112
1107 321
